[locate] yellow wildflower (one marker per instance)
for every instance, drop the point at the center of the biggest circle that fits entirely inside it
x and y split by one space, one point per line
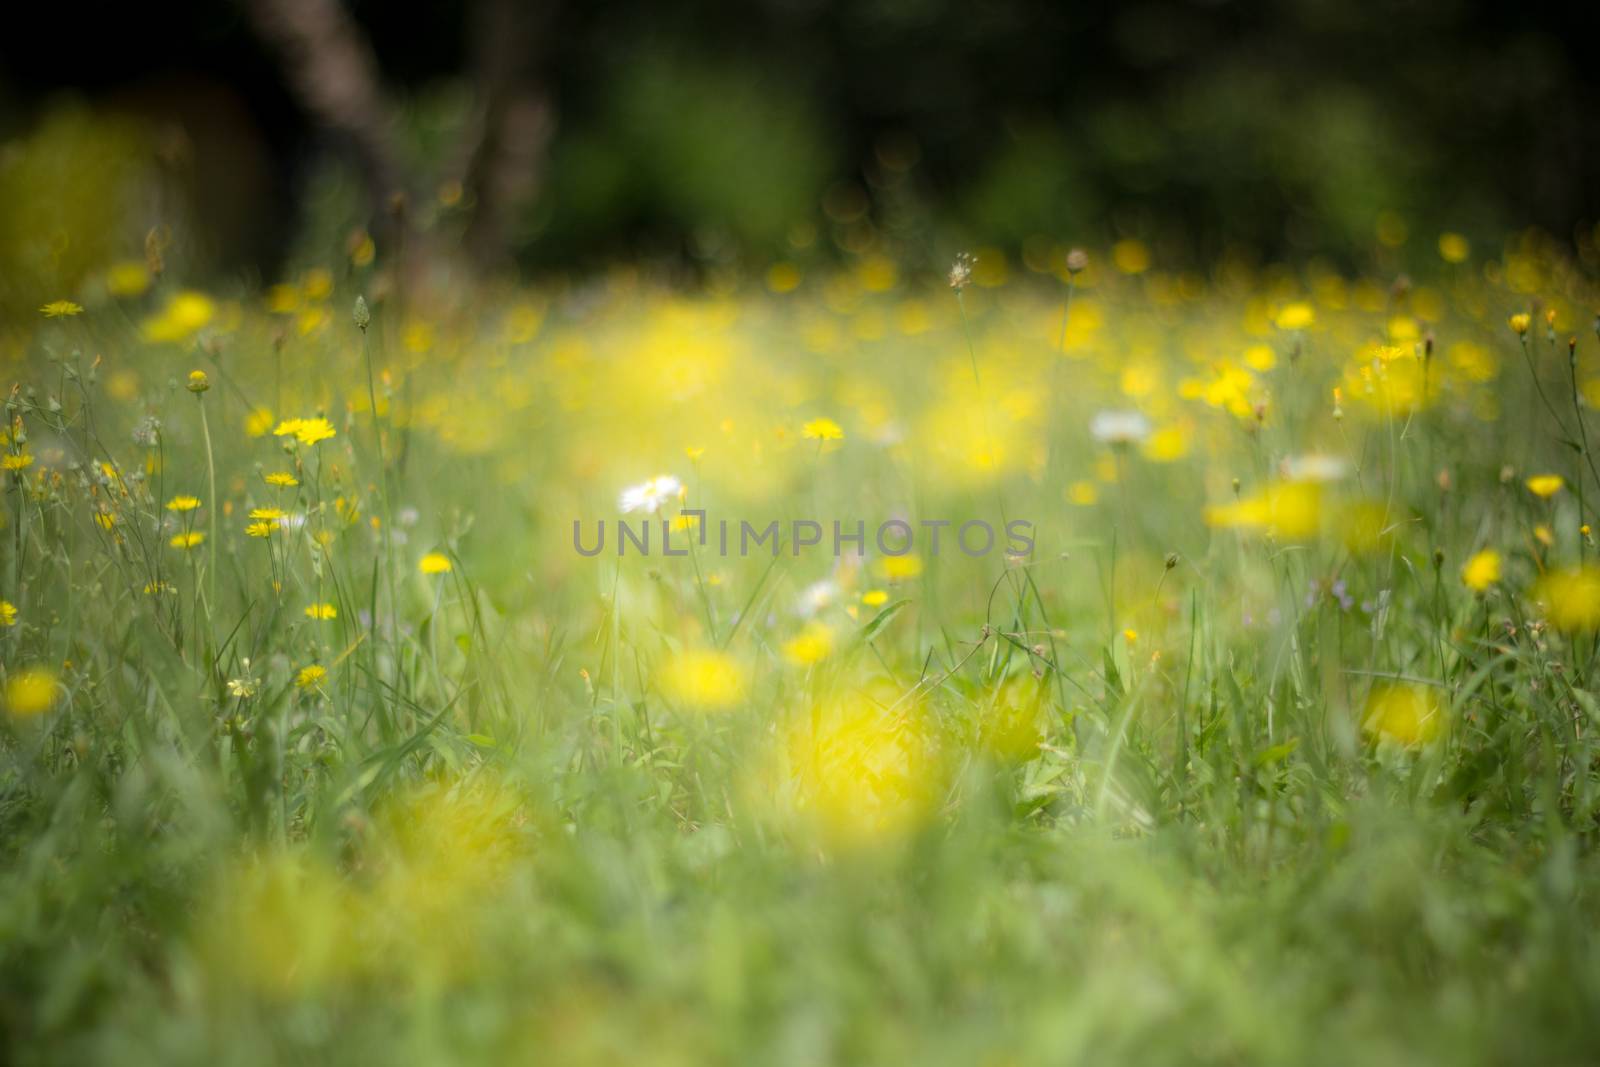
281 479
183 503
1571 598
58 309
822 429
1546 485
703 678
321 611
187 540
31 691
310 676
16 461
1406 713
435 563
1481 571
8 613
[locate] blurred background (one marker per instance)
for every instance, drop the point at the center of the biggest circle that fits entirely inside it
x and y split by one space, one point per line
244 137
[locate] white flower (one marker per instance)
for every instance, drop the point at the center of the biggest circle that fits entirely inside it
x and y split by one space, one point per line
651 495
1119 427
1314 467
817 596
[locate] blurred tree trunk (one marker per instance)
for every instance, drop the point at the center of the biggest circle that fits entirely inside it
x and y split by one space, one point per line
505 157
331 68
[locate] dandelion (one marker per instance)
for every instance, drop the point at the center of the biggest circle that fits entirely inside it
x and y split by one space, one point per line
1571 598
1454 248
272 515
650 496
1520 323
860 773
703 678
31 692
262 529
187 540
1545 486
811 645
1298 316
435 563
322 611
1481 571
183 503
822 429
306 431
310 676
8 613
60 309
280 479
259 422
16 461
185 315
1407 714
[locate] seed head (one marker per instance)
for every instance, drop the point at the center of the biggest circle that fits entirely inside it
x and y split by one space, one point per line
961 271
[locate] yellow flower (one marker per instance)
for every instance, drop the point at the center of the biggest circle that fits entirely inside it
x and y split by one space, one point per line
272 515
154 588
900 568
262 529
1130 635
1571 598
1481 571
858 773
306 431
183 503
185 315
1406 713
310 676
1546 485
16 461
281 479
874 598
187 540
1454 248
821 429
1297 316
435 563
258 423
1131 257
31 691
128 278
703 678
8 613
1520 323
321 611
57 309
198 382
811 645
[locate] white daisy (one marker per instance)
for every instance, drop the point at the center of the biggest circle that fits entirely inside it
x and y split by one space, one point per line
650 496
1119 427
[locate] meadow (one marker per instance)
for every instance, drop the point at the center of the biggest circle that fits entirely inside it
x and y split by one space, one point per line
1275 742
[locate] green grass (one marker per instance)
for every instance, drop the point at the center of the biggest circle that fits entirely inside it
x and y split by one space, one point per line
1235 767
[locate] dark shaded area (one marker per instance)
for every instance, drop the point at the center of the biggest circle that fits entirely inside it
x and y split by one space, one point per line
717 129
